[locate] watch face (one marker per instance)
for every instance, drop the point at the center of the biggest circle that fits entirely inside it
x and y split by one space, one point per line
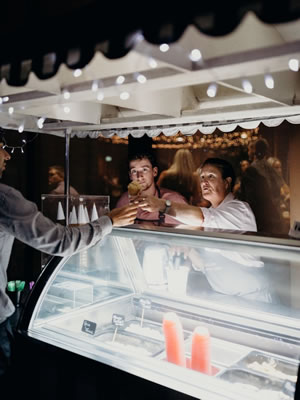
168 203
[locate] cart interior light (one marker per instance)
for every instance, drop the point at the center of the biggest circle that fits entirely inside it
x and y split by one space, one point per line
40 122
5 99
120 79
195 55
67 109
294 64
11 110
164 47
77 73
152 63
141 78
100 96
269 81
212 90
124 96
66 94
247 86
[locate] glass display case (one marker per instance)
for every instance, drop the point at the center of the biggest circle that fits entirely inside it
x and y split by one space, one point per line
212 315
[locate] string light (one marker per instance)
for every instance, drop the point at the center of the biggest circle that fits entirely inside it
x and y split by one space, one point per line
164 47
212 90
120 79
21 128
152 63
40 122
294 64
94 86
13 148
124 96
77 73
247 86
141 78
195 55
269 81
66 94
100 96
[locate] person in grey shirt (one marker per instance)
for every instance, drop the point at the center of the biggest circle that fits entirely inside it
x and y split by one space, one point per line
21 219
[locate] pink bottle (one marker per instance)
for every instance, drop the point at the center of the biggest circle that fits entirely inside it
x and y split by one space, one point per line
201 351
174 339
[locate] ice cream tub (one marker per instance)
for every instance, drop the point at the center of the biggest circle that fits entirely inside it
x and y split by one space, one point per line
129 342
147 329
246 381
269 365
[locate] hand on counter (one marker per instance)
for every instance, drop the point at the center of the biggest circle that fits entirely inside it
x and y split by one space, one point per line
123 216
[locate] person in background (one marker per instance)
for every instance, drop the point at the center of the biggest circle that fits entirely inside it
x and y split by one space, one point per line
284 190
260 188
217 180
244 164
20 219
143 169
183 178
56 181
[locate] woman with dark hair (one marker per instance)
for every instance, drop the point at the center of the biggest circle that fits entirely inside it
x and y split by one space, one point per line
217 180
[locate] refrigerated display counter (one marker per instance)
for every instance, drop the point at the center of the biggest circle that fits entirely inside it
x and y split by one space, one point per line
136 304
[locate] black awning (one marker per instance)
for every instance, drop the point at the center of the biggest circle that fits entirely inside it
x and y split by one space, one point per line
70 32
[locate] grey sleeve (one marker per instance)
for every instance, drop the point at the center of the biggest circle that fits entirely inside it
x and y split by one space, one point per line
21 219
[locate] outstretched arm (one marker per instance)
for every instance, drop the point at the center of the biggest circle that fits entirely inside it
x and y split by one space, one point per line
185 213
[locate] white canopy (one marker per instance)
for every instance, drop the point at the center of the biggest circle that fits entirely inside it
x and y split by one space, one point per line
165 91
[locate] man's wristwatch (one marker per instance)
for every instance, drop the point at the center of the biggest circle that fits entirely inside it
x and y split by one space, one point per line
168 205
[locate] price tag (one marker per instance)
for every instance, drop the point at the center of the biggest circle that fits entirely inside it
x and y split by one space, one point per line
118 319
89 327
145 303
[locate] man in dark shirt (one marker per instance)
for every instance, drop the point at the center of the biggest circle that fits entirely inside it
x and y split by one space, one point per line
260 188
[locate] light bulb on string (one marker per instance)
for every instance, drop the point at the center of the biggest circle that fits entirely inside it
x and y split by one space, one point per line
120 80
77 73
66 94
152 63
164 47
12 150
195 55
100 96
94 86
212 90
21 128
124 96
40 122
5 99
269 81
247 86
294 64
141 78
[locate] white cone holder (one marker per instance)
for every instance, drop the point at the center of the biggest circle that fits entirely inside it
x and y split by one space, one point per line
73 217
60 212
81 215
86 214
94 213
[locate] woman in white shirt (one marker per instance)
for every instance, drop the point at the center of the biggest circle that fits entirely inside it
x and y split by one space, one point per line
217 180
